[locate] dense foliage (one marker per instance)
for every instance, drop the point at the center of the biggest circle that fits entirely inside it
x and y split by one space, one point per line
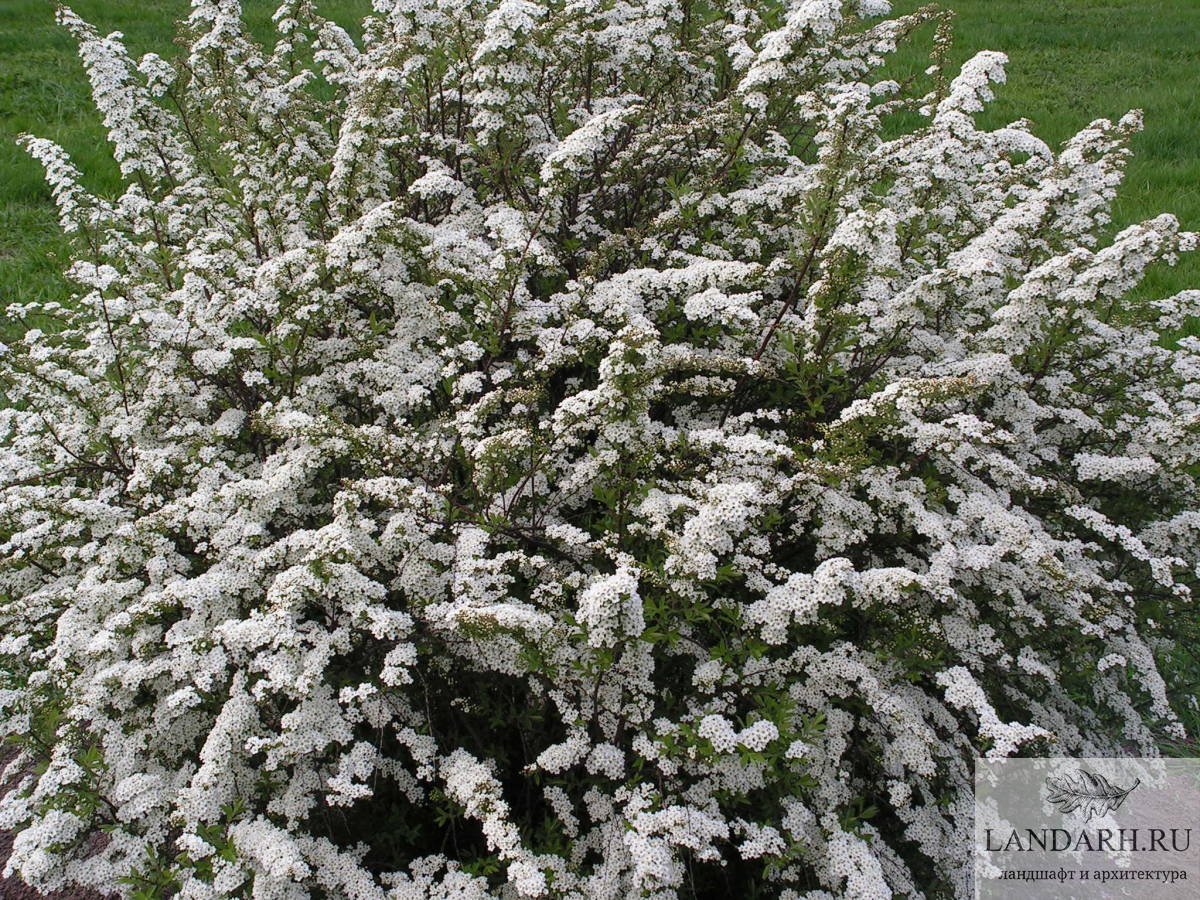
582 449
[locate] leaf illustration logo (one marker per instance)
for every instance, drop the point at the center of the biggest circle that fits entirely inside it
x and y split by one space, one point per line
1091 794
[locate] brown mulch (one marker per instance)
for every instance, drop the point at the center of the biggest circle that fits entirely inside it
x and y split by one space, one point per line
14 888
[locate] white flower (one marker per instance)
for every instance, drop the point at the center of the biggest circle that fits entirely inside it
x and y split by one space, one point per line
531 450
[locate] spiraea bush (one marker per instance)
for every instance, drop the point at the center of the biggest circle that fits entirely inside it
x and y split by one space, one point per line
578 449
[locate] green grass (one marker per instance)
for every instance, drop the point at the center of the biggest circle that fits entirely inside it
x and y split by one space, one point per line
44 91
1071 61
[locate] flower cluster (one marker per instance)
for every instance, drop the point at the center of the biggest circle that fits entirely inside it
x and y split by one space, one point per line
578 450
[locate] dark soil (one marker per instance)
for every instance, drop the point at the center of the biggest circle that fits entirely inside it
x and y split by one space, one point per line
14 888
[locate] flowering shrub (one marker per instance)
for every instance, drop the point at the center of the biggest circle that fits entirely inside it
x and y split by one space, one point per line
578 449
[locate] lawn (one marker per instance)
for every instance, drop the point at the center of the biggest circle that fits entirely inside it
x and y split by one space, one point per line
44 91
1071 61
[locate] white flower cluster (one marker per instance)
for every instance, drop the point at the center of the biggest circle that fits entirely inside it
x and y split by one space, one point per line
582 450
